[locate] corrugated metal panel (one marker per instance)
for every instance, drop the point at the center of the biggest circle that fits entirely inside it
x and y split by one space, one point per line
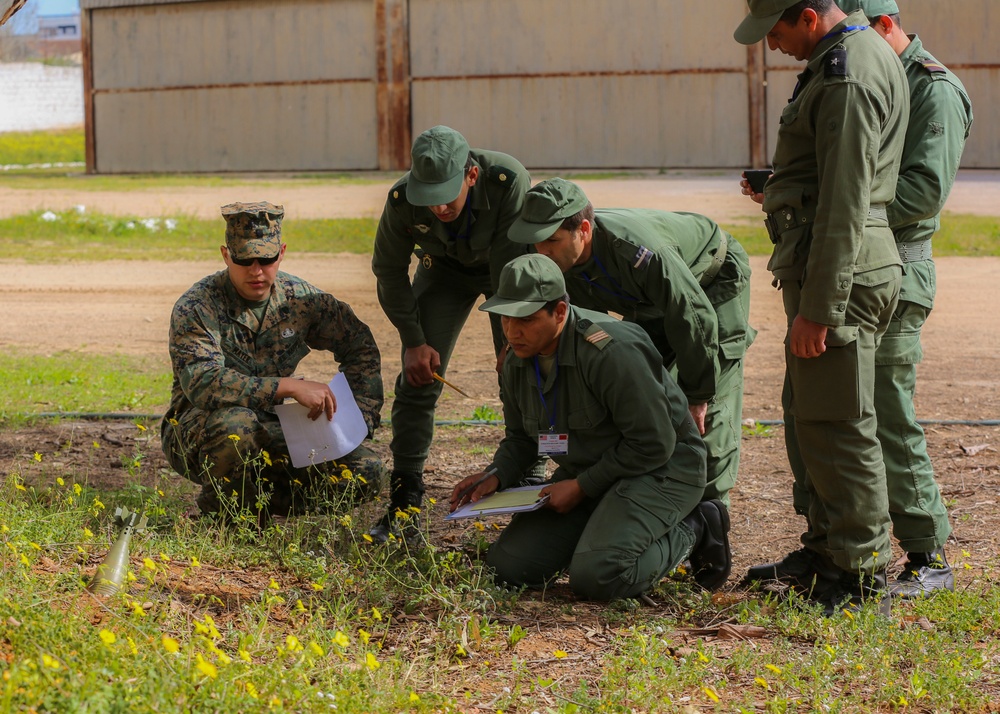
238 129
602 121
233 42
608 84
96 4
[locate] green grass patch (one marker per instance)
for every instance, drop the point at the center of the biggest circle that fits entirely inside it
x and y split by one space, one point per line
960 235
78 382
49 237
39 147
306 614
63 180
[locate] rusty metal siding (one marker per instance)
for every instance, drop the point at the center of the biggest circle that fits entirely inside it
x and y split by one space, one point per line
234 85
632 83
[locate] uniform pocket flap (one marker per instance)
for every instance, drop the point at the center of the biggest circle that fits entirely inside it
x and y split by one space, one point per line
842 336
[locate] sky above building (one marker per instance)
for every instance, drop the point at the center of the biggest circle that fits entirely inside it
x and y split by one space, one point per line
57 7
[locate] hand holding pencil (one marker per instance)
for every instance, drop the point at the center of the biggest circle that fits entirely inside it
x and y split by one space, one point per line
474 487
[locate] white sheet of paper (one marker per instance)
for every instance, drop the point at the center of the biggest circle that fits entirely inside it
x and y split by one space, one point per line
313 442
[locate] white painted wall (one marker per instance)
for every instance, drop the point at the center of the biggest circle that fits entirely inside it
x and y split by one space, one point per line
35 96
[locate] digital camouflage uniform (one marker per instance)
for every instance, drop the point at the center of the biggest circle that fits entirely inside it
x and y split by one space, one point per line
459 262
687 283
227 364
835 167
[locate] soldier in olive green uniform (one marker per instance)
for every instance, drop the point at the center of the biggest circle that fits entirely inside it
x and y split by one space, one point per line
684 280
236 338
452 209
624 506
939 123
835 167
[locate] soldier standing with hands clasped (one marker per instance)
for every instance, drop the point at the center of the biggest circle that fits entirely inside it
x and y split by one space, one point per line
835 260
939 123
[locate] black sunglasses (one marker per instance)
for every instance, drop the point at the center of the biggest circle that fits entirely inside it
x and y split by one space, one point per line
247 262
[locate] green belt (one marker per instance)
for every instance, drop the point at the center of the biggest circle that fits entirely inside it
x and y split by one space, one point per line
717 260
787 218
914 252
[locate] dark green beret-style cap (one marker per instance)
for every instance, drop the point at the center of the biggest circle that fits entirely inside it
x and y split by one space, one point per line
764 14
526 284
437 167
871 8
253 230
546 205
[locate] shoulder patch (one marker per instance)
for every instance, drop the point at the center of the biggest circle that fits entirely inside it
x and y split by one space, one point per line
932 65
502 175
835 62
397 195
642 257
594 334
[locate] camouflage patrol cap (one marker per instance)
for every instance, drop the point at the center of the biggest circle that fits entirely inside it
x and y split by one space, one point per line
253 230
764 15
526 284
437 170
546 205
871 8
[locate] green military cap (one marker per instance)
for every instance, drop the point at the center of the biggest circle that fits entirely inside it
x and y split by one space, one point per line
546 206
871 8
437 170
764 14
526 284
253 230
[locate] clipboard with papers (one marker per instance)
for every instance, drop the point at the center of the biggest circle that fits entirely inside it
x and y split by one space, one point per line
510 500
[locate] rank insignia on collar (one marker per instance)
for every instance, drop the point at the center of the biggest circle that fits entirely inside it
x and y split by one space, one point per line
422 228
287 332
427 262
642 257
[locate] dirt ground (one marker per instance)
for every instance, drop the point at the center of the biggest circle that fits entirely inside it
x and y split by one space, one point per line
123 308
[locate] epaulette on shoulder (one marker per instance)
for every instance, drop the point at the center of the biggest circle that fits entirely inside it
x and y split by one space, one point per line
594 334
932 65
835 62
397 195
502 175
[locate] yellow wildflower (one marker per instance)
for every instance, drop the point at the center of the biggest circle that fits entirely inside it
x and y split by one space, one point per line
559 654
774 668
367 538
252 690
342 640
148 564
132 646
170 644
206 668
267 458
762 682
371 662
107 637
60 481
50 661
195 563
376 614
234 438
293 643
87 533
140 427
38 456
317 650
164 557
77 489
710 693
245 656
364 635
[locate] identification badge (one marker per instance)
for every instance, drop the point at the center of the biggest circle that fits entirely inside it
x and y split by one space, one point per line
554 444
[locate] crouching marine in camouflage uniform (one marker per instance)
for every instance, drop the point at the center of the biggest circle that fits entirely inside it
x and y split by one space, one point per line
236 338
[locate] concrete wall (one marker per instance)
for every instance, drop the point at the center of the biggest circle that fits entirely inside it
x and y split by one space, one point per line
35 96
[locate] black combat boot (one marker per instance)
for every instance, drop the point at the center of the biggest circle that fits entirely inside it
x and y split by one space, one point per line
852 590
803 569
407 489
711 559
924 574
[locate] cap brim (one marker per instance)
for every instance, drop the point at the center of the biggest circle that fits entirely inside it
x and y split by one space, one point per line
528 233
433 194
754 29
510 308
243 254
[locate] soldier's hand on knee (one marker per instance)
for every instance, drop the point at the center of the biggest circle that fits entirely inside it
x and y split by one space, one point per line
420 364
564 496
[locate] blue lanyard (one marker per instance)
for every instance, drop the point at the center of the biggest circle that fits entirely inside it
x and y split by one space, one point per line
462 233
551 416
841 31
618 291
